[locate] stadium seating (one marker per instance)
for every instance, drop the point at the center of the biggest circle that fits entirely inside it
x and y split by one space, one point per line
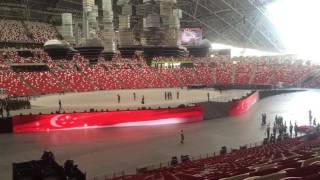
102 77
73 80
41 32
11 81
288 159
223 73
79 75
262 75
42 82
13 57
204 75
289 74
16 31
314 83
169 77
12 31
243 73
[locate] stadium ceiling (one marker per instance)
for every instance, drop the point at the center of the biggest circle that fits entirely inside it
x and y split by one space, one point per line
241 23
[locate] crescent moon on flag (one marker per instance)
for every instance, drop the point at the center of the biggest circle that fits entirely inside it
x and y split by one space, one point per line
53 121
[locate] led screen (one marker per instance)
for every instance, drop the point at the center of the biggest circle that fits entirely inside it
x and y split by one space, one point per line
191 35
48 122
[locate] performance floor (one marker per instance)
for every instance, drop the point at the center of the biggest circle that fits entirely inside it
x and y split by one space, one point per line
101 152
108 99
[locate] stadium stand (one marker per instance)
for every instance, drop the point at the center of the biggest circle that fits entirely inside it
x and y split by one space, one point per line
26 32
295 158
243 73
42 32
42 82
10 81
13 31
223 73
79 75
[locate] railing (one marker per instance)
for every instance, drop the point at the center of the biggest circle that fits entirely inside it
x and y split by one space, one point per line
107 176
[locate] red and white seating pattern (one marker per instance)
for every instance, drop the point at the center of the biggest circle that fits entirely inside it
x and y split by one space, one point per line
130 78
151 76
79 75
243 73
13 57
12 31
42 32
42 82
169 77
289 74
101 78
263 75
73 80
223 73
11 81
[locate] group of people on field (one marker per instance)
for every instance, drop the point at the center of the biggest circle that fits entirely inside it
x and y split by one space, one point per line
281 129
134 98
168 95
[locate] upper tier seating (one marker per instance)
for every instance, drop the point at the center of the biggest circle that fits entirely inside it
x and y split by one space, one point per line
262 75
243 72
42 32
12 31
223 72
16 31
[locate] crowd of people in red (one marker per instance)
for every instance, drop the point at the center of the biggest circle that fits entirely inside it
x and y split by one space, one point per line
79 75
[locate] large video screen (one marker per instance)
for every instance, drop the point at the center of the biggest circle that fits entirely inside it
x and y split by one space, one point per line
67 121
191 35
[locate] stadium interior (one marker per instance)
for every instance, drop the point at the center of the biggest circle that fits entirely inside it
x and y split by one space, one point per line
159 90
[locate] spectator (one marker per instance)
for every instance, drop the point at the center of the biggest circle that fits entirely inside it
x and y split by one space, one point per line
181 137
119 98
60 105
295 129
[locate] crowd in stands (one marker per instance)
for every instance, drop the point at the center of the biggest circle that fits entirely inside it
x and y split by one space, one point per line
79 75
26 32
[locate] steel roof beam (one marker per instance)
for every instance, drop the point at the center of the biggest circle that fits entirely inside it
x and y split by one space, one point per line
262 33
229 24
209 27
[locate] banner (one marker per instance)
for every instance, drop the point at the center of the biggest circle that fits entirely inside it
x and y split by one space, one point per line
48 122
243 105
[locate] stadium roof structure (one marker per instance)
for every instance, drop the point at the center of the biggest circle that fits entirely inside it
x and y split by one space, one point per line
241 23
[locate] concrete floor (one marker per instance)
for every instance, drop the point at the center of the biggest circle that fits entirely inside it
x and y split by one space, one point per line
108 99
104 151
